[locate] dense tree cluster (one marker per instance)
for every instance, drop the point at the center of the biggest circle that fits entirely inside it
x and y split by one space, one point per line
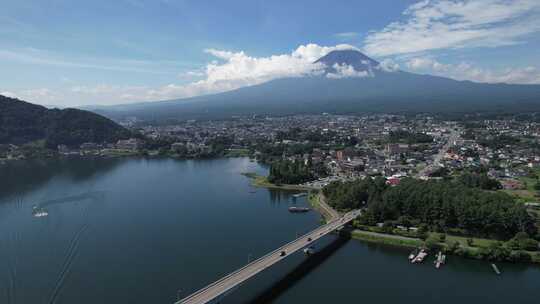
269 153
479 180
299 134
402 136
498 142
522 241
354 194
290 172
440 205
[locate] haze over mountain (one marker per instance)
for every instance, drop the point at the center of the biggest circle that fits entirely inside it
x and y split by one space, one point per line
22 122
349 82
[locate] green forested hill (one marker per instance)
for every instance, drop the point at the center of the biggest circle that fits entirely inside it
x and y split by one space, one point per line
22 122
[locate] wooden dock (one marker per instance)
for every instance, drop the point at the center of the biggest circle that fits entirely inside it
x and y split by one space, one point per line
496 269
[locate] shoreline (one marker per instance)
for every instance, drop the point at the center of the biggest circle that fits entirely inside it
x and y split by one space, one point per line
317 202
314 198
262 182
107 154
386 239
468 252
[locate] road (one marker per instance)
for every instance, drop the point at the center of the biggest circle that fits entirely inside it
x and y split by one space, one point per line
229 282
454 135
329 213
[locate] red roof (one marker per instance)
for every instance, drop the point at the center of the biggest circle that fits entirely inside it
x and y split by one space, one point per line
392 181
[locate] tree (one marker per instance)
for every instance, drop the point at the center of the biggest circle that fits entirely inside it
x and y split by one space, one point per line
522 241
422 232
470 242
432 242
402 136
405 221
479 180
496 251
452 205
453 246
289 172
442 237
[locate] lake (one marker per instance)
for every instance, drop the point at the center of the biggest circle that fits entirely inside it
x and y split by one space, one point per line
150 231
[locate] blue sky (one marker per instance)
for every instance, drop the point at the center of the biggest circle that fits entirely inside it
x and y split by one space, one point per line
70 53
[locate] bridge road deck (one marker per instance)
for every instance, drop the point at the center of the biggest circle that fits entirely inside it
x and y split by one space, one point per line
230 281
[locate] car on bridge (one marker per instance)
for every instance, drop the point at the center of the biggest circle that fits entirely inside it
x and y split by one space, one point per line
283 253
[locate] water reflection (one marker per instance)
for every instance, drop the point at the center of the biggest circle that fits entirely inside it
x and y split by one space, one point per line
19 178
284 196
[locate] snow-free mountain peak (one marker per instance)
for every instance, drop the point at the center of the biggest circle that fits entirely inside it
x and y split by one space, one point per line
354 58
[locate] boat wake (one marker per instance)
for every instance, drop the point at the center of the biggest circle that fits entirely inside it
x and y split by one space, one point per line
68 262
13 266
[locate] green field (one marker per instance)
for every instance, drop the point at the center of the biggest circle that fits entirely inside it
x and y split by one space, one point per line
388 239
477 242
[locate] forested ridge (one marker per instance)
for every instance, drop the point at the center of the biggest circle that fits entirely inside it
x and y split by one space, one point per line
22 122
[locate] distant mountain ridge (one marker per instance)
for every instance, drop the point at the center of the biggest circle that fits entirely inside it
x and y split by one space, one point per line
22 122
382 91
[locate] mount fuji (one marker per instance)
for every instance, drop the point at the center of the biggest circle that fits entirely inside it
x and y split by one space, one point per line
351 82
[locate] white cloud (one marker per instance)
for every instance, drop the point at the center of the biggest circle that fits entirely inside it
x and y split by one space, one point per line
346 35
45 96
231 70
443 24
346 71
467 71
8 94
237 69
192 74
389 65
421 63
311 52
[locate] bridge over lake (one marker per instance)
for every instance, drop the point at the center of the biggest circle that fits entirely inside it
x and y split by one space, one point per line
226 284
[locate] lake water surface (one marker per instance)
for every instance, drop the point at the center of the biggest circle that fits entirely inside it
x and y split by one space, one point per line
148 231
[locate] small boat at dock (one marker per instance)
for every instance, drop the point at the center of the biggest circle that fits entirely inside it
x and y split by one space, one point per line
299 195
413 255
298 209
441 259
420 257
496 269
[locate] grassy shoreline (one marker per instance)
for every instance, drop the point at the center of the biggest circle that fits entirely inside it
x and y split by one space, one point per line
313 198
262 182
384 238
466 251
